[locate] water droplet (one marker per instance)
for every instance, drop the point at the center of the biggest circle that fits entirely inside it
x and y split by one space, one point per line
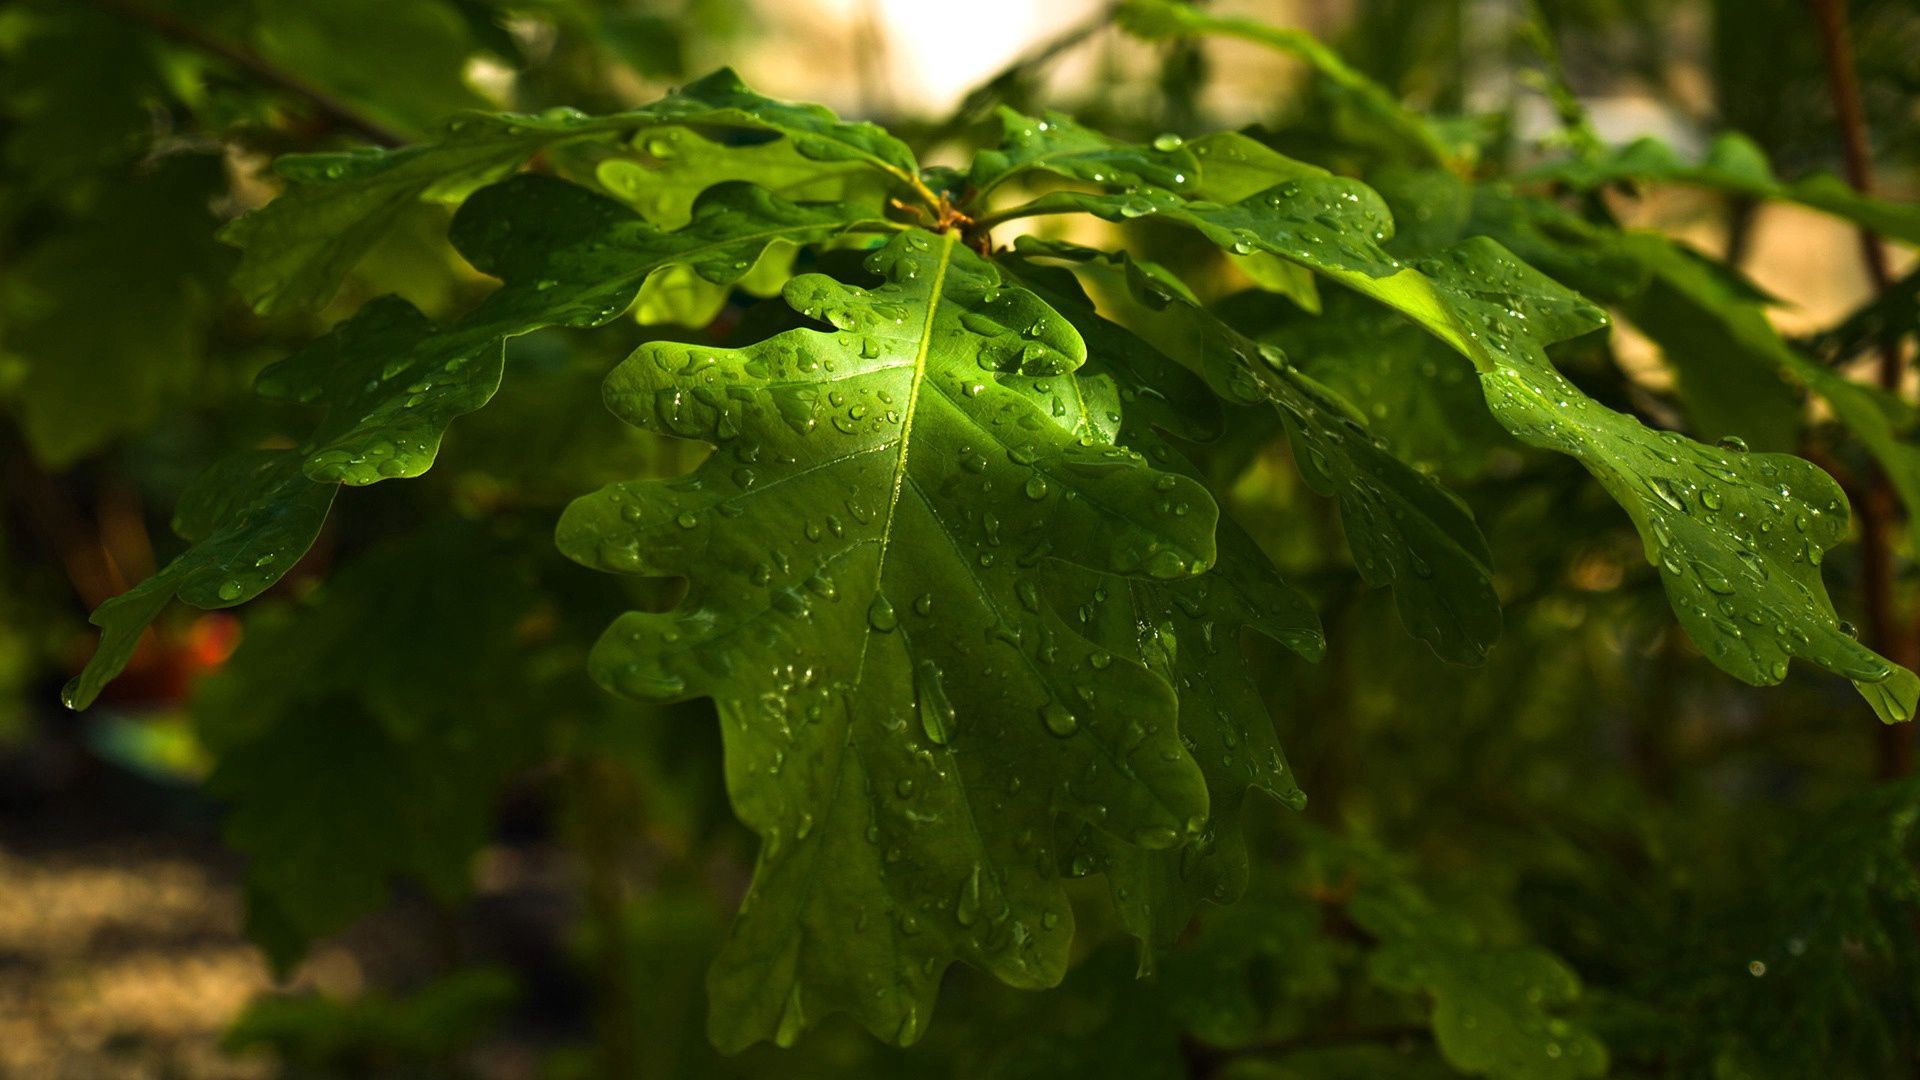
937 714
880 614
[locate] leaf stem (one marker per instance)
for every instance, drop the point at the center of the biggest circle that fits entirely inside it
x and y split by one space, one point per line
256 67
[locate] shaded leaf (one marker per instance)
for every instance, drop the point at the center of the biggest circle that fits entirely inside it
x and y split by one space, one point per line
1736 165
147 251
390 382
1403 528
250 519
299 247
390 708
1190 629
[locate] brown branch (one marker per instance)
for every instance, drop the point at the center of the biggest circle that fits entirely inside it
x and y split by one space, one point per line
1877 506
1843 83
255 67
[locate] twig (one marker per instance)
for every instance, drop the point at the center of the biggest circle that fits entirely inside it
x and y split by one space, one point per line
256 67
1843 83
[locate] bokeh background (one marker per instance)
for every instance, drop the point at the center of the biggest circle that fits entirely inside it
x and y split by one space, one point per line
131 129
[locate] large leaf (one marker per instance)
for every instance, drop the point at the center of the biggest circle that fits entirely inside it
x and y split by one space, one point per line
299 247
390 382
868 549
1738 538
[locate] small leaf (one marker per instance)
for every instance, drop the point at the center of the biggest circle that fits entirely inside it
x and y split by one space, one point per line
1493 1008
251 517
1056 143
674 166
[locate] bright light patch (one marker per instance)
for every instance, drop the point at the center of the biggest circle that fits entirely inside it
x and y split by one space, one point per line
937 52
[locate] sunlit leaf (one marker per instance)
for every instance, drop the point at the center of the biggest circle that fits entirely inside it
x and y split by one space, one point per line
903 710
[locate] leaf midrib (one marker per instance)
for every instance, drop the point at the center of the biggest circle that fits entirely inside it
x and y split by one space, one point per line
935 294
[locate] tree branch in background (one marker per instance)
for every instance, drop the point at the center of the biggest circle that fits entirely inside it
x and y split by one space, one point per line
984 97
257 68
1896 746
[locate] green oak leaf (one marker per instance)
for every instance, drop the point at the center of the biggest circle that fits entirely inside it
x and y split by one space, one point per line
566 257
661 171
299 247
1057 144
1738 538
392 709
1494 1008
148 245
1234 166
1738 371
1190 629
1713 305
390 382
1736 165
1408 386
1713 368
1404 529
250 518
903 711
